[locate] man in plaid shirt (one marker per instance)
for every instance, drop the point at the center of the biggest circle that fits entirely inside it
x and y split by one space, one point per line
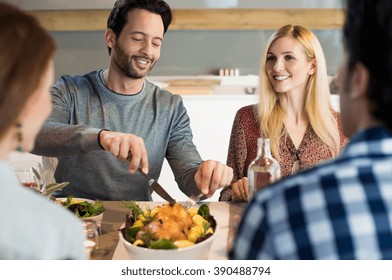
341 209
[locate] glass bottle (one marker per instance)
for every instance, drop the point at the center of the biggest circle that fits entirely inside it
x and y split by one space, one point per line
264 169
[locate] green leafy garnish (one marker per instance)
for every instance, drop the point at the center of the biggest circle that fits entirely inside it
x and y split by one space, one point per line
69 200
135 209
162 244
206 226
130 233
135 212
204 211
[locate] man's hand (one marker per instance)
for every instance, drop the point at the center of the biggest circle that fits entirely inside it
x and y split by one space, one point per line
126 147
213 175
240 190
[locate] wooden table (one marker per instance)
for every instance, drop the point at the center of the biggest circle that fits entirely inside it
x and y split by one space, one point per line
115 213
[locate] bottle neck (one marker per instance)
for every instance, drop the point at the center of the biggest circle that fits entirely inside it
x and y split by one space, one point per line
263 148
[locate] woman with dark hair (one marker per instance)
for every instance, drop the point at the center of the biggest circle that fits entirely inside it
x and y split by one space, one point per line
31 226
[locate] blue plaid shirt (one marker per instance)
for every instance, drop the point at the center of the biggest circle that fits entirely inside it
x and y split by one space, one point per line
341 209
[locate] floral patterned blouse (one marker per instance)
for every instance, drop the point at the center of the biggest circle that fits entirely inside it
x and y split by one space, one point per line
243 147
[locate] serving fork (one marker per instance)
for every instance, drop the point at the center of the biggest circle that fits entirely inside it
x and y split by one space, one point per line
192 200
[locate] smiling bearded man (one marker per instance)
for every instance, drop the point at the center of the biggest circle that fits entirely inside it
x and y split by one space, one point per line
107 123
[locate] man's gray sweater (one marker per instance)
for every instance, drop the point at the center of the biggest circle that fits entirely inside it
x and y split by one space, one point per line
83 106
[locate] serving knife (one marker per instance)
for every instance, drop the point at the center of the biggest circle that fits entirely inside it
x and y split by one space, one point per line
158 188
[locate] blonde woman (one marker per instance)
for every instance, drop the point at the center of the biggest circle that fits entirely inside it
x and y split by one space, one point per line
295 111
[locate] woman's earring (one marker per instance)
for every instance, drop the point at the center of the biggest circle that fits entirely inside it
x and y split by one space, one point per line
19 137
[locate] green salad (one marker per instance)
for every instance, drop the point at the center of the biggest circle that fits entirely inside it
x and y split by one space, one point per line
82 208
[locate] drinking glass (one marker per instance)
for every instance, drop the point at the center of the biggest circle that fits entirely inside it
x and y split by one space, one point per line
91 235
29 173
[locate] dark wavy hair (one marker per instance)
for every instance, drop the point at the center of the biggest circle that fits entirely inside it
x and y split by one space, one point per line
119 15
368 39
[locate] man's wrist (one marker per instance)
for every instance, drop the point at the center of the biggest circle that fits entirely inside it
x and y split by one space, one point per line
99 138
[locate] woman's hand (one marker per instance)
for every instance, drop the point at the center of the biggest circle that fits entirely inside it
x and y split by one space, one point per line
240 190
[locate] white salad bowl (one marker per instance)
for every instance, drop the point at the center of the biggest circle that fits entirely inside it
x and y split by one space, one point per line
199 251
97 218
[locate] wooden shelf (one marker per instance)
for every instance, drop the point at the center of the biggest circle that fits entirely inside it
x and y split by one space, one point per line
250 19
201 19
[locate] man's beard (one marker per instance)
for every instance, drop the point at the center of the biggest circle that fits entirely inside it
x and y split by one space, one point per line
123 63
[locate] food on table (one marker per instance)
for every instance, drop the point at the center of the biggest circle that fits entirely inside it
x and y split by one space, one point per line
83 208
169 226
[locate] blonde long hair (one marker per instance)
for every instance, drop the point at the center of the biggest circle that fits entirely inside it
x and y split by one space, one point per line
317 101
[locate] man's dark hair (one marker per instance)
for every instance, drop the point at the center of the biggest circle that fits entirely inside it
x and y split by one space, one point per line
119 15
368 39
